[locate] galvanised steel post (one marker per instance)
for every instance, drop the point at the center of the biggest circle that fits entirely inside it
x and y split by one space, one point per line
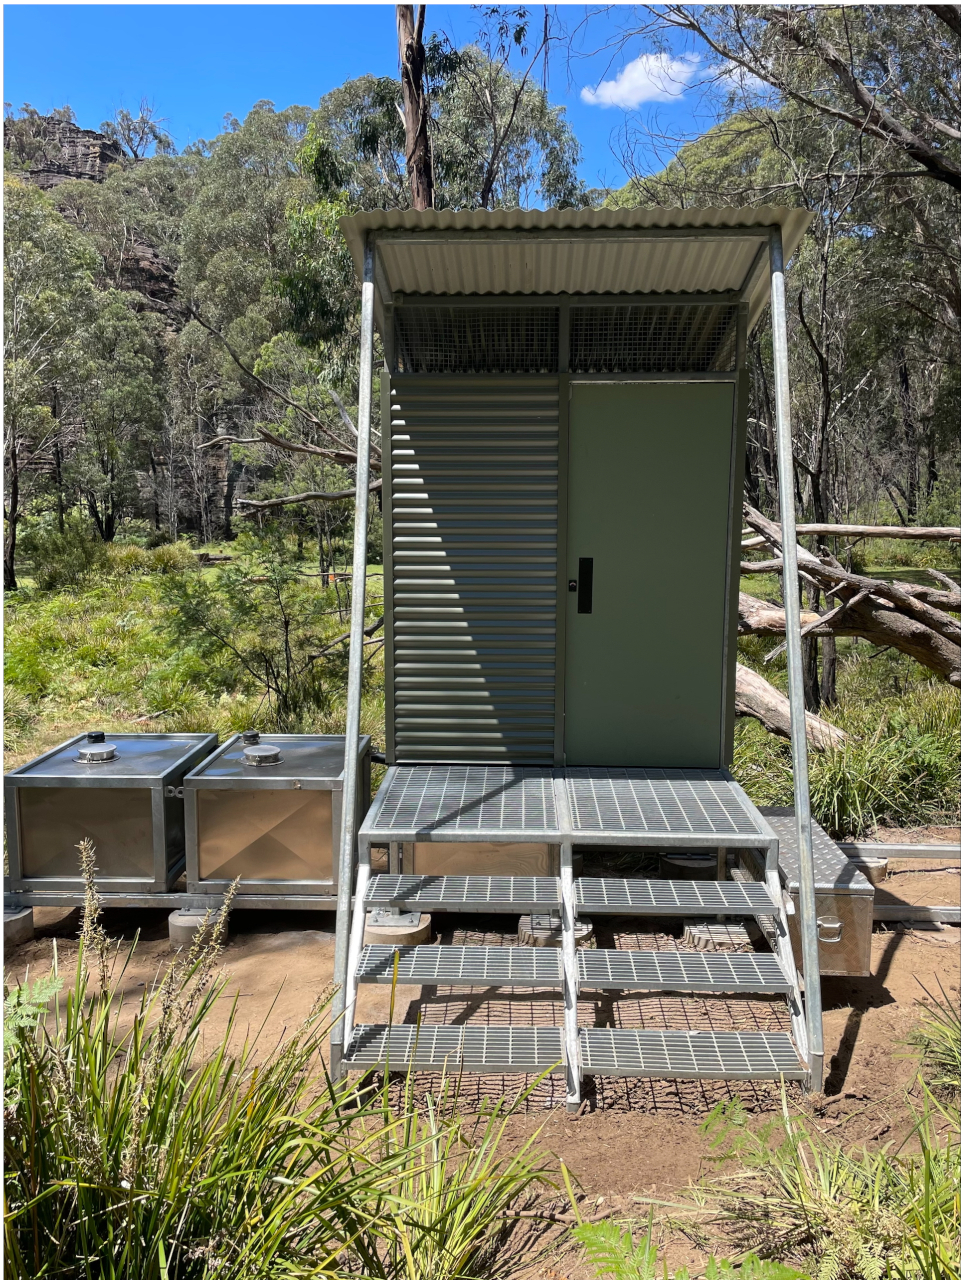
355 669
792 629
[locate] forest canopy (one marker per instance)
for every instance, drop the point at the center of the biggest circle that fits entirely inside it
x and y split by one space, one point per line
180 329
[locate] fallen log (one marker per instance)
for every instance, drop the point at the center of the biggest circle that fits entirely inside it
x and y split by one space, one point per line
755 696
932 533
884 613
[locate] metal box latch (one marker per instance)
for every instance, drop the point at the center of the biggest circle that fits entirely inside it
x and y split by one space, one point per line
174 793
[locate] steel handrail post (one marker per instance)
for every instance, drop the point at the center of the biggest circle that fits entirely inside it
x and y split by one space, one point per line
807 922
355 673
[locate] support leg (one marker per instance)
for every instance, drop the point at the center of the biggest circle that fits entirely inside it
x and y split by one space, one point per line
569 955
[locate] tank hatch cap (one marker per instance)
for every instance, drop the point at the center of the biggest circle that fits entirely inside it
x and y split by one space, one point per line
262 753
96 749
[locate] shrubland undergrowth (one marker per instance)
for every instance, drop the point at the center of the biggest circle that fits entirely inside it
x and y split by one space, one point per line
137 1147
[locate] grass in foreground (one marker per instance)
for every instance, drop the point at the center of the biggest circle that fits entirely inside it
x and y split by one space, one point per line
135 1149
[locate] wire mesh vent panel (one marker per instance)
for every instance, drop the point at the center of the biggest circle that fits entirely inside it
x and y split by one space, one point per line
473 568
475 339
653 339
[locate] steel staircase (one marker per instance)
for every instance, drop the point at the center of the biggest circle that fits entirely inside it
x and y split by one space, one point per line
602 807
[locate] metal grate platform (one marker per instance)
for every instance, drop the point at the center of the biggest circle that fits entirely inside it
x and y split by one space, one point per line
672 897
428 800
690 1055
467 893
462 966
523 1049
680 971
702 803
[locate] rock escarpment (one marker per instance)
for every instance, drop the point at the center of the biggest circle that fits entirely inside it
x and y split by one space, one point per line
48 152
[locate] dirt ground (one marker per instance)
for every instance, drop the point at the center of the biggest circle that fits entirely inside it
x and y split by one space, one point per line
636 1138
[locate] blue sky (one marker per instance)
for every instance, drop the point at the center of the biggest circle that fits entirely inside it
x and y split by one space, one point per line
198 62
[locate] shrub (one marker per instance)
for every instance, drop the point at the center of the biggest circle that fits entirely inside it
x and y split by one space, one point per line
138 1147
62 559
800 1197
20 714
938 1036
172 557
127 557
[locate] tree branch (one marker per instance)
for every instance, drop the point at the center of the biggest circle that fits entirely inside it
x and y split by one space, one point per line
312 496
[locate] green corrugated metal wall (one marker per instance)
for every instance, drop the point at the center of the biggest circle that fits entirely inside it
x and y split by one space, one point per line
472 515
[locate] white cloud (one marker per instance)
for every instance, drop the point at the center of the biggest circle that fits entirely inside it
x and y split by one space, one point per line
653 77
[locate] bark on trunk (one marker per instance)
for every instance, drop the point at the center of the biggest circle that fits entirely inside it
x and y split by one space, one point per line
410 39
755 696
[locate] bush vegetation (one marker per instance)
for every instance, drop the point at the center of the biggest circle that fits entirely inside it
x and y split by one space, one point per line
155 641
138 1147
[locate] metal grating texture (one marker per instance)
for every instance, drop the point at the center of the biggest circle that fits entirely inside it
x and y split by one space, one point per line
462 966
472 588
692 1055
833 869
653 339
697 802
672 897
466 893
462 339
442 799
679 971
473 1048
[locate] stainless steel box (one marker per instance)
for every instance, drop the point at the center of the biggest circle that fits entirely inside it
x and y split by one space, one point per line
120 790
267 809
841 893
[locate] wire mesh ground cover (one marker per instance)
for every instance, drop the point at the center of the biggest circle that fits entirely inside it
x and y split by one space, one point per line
543 1007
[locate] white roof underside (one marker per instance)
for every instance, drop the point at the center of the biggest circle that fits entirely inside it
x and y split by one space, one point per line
574 251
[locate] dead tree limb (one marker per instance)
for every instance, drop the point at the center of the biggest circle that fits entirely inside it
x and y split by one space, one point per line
754 696
312 496
934 533
885 613
368 631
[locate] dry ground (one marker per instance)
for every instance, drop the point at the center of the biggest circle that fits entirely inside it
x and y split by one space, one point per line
635 1138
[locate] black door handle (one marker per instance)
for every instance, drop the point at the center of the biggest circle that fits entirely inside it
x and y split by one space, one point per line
585 584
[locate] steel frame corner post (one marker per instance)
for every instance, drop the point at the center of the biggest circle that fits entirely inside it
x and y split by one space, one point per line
792 616
355 674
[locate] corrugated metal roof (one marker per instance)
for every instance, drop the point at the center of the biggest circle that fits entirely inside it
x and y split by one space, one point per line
429 259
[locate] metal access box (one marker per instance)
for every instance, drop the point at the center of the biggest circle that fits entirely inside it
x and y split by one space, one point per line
843 897
267 809
120 790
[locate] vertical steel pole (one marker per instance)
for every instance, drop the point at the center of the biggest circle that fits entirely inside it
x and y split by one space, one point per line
355 674
792 618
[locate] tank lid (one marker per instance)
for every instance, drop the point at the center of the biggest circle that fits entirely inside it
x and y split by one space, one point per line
96 735
96 751
251 737
262 754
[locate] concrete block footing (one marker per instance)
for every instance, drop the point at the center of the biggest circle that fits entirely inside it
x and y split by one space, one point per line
541 931
185 925
17 927
393 935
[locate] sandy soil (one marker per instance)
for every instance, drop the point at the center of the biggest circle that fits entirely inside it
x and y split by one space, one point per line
635 1138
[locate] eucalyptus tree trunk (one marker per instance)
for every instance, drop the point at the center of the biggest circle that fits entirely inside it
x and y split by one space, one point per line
410 41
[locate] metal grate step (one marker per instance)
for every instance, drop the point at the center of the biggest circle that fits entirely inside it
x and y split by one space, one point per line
463 966
467 893
703 803
436 799
521 1049
680 971
672 897
689 1055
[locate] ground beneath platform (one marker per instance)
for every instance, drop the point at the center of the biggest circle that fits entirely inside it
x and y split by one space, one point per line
635 1138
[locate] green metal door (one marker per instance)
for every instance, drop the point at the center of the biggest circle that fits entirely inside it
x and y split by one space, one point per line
649 520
